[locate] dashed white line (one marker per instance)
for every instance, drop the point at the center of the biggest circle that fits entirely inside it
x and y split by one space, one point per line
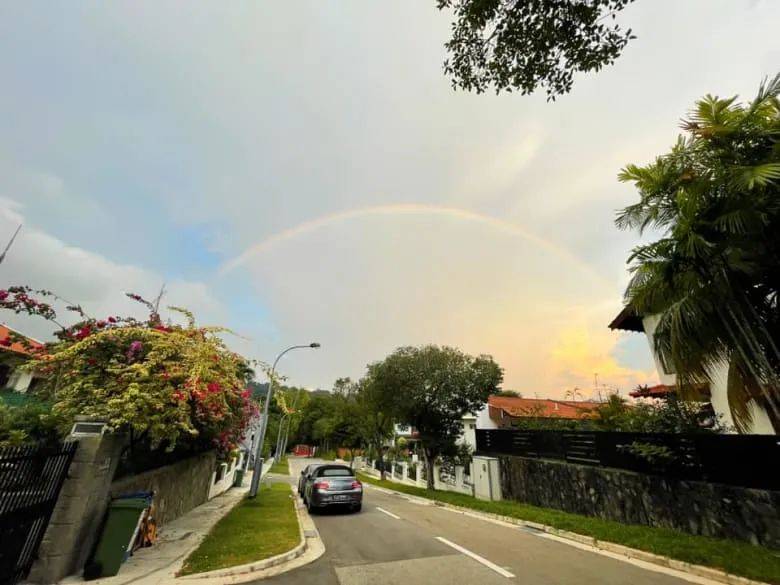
476 557
388 513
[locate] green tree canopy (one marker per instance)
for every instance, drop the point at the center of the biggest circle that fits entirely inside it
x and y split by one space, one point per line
513 45
436 386
713 275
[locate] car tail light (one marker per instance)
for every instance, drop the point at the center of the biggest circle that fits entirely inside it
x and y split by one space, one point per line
321 485
356 485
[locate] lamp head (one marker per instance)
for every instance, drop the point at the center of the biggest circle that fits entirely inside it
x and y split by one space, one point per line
315 344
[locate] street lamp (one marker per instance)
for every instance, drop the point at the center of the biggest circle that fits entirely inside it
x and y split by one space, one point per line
264 421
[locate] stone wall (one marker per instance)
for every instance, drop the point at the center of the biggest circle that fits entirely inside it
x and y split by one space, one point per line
695 507
178 488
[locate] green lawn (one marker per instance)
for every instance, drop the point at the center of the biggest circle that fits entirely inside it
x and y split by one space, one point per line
253 530
280 466
733 556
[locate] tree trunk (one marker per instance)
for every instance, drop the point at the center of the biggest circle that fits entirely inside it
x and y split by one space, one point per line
381 465
429 459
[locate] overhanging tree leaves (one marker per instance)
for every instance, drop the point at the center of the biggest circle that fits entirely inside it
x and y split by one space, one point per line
714 275
523 45
436 386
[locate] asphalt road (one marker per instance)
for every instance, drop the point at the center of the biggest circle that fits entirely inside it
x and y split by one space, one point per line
396 541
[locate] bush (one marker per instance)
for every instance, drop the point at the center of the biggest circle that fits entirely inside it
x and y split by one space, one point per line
33 422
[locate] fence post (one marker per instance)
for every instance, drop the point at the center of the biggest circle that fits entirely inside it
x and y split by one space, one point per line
80 508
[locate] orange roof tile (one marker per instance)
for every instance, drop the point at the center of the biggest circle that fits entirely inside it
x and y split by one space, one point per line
16 347
543 407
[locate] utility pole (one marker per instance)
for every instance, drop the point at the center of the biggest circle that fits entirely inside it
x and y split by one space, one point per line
258 471
10 242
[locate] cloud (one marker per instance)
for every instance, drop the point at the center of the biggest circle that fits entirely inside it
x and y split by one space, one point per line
87 278
369 283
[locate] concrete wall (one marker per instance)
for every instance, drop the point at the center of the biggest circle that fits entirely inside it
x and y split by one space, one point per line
695 507
223 477
177 488
460 481
80 508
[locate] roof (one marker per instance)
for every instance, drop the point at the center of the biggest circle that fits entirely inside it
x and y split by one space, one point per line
16 347
664 390
628 320
657 391
543 407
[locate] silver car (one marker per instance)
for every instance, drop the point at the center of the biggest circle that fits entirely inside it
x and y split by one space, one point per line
332 485
305 472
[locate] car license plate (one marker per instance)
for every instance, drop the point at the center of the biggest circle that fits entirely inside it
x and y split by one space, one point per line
340 498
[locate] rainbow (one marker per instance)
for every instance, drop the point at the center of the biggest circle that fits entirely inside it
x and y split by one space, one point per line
499 225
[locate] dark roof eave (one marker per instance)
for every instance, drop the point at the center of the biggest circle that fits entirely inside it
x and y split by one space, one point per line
628 320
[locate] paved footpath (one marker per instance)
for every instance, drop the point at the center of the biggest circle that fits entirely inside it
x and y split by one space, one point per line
394 540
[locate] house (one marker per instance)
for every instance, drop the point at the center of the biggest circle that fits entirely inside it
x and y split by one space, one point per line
12 355
502 412
715 391
507 411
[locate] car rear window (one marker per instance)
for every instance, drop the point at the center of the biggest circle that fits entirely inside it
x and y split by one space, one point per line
335 472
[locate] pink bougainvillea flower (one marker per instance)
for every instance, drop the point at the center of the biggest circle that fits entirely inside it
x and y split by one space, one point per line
111 319
3 295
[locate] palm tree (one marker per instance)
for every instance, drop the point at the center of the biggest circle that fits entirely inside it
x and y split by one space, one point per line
713 276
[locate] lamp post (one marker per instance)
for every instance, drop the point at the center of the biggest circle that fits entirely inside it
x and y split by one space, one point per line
264 422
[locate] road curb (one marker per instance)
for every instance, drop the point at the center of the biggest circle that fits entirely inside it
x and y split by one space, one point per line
610 547
275 565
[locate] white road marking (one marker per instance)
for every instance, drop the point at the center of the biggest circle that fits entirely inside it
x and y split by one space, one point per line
476 557
388 513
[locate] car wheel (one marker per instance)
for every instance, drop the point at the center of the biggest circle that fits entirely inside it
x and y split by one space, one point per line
357 507
309 507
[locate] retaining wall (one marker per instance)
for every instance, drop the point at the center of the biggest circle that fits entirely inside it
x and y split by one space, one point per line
696 507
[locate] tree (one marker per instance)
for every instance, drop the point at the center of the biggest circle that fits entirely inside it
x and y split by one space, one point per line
527 44
713 276
436 386
378 406
508 394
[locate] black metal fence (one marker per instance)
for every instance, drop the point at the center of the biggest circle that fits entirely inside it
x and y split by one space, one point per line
30 481
743 460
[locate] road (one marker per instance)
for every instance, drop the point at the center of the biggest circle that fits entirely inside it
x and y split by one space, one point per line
397 541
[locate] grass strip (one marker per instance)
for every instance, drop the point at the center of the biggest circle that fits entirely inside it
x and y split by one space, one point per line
280 466
252 531
732 556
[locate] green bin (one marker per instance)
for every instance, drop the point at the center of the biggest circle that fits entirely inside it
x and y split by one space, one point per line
238 478
112 548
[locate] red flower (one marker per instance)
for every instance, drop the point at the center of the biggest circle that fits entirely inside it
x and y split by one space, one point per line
214 387
5 342
84 332
112 319
3 295
101 324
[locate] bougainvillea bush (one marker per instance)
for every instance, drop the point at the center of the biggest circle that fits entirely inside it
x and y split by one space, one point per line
165 383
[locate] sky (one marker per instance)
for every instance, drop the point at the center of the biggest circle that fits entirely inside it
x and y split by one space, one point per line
303 171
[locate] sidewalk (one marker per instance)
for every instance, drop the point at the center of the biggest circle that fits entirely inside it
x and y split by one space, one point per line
176 540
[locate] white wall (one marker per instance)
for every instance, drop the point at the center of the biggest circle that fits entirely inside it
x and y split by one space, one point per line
20 380
483 419
718 387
